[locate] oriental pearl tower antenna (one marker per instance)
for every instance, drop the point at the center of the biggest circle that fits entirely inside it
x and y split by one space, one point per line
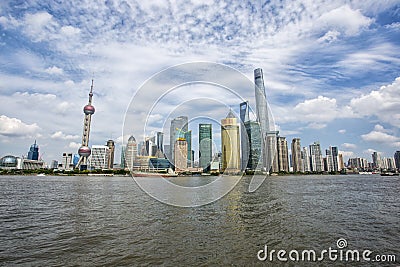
84 151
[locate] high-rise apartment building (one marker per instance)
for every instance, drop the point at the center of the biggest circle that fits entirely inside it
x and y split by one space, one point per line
316 157
180 156
205 146
397 159
66 163
131 153
99 157
230 144
305 156
283 159
340 162
376 160
297 163
328 165
179 125
335 158
111 150
272 146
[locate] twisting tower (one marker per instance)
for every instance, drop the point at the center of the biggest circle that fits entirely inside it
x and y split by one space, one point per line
84 151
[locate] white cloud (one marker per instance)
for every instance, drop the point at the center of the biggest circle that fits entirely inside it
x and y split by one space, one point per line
54 70
342 131
74 145
320 110
39 26
70 30
383 103
14 127
347 154
344 19
348 146
380 135
316 125
329 37
62 136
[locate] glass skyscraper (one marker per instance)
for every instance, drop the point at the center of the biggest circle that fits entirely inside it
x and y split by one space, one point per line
254 144
205 146
296 155
33 153
244 137
262 118
188 138
179 125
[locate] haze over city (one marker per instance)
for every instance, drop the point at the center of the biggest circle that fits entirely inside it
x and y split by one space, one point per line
331 69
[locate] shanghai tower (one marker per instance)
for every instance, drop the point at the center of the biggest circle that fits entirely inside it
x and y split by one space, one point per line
262 118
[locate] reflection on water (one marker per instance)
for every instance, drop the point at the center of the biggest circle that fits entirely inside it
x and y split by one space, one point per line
110 221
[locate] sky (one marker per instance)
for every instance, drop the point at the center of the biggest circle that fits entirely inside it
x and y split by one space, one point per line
331 68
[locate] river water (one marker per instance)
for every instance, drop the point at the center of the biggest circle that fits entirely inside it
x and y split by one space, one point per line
110 221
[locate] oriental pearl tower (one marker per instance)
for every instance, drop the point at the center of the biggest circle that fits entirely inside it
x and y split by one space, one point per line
84 151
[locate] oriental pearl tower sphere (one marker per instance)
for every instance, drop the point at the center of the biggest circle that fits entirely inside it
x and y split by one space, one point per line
84 151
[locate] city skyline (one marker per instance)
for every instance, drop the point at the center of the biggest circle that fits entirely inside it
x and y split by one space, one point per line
328 78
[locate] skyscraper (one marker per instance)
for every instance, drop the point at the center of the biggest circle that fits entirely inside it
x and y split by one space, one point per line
335 157
376 160
283 159
111 149
340 162
272 146
99 157
316 157
84 151
230 144
244 138
205 146
397 159
160 141
131 153
253 144
188 138
33 153
305 156
123 159
296 155
180 156
329 161
262 117
178 125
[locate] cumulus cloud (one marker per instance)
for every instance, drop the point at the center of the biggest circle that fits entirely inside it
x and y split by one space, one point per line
383 103
380 135
348 146
62 136
74 145
39 26
320 110
329 37
342 131
13 127
344 19
54 70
